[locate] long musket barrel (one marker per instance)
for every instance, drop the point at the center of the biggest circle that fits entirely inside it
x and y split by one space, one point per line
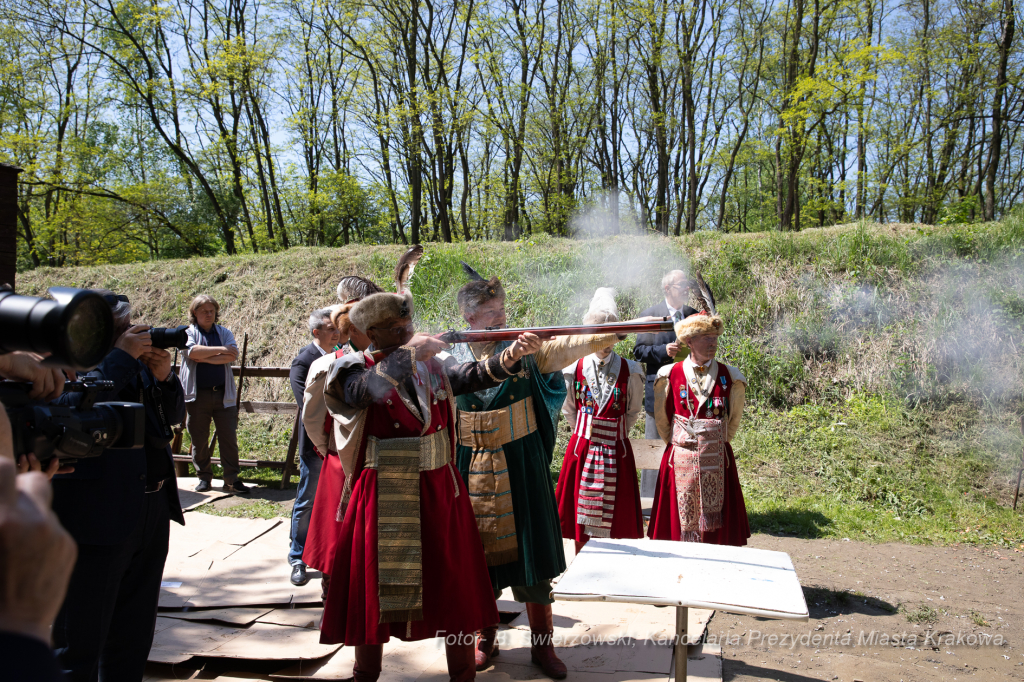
512 333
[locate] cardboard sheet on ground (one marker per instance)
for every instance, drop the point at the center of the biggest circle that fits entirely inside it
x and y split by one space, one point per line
703 664
235 616
299 618
181 579
273 544
231 583
177 640
735 579
190 499
202 530
403 661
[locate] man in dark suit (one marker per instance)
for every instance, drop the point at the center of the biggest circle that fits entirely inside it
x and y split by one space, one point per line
658 350
118 507
325 337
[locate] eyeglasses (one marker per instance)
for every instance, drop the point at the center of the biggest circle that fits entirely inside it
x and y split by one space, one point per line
114 299
676 286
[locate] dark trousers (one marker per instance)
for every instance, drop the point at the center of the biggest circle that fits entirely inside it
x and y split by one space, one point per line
105 627
209 406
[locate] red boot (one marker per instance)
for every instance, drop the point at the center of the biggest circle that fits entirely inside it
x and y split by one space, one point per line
461 663
542 649
486 647
368 660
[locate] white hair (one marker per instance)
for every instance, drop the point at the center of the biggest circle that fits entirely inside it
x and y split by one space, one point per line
316 320
671 275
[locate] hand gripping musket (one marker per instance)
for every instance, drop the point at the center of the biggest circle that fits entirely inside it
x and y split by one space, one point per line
512 333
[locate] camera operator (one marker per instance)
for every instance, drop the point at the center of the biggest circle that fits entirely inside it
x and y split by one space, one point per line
34 569
47 384
117 507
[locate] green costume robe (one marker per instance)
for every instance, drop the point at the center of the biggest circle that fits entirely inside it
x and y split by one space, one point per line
538 533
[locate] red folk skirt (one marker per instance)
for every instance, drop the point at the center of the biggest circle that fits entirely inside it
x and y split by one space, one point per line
627 517
322 537
457 596
664 524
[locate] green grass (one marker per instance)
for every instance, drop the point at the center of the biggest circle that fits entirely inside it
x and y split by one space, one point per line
886 376
921 614
252 509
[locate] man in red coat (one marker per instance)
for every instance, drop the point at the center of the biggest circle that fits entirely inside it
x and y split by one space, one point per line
409 561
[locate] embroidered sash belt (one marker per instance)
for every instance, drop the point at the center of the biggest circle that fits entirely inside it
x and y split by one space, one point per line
398 462
698 464
595 504
489 489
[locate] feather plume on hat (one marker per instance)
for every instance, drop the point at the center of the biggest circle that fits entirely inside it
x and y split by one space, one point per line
602 307
378 308
478 290
704 322
405 267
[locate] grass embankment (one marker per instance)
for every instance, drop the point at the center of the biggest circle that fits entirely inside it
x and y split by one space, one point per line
884 361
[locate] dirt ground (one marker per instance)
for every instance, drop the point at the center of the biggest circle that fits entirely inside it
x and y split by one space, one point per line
874 601
866 596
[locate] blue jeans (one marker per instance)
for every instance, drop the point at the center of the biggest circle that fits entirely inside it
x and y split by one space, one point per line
309 475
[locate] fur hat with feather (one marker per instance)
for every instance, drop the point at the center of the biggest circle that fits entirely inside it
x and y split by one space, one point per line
707 320
602 307
354 288
376 309
478 290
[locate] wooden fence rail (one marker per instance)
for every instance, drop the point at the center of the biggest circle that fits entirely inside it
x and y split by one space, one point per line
256 407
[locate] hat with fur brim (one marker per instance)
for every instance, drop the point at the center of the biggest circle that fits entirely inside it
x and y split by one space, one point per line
699 324
376 309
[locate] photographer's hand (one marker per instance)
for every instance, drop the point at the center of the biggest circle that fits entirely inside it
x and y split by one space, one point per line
47 382
159 362
135 341
27 463
39 554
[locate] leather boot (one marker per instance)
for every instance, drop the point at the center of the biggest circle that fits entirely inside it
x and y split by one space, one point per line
325 585
461 663
542 649
486 647
368 660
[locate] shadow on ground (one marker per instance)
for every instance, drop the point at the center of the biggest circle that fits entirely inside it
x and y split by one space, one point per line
799 523
824 602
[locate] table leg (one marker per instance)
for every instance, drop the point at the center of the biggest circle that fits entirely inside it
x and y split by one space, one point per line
682 639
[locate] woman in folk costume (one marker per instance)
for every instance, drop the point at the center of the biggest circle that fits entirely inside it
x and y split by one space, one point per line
698 406
597 492
324 524
408 561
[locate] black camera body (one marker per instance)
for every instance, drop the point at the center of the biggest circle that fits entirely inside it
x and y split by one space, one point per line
71 433
169 337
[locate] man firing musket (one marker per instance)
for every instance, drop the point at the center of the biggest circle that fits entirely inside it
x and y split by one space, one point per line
506 437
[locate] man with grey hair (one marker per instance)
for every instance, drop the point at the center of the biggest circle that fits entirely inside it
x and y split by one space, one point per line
657 350
325 337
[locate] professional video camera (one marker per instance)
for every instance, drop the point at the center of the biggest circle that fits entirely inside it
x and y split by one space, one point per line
75 327
71 433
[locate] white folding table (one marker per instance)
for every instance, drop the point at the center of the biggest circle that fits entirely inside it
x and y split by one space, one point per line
754 582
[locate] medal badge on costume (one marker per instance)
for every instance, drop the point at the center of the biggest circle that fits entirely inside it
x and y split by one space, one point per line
718 404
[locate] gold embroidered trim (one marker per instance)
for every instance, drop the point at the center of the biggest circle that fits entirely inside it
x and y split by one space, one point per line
490 491
434 449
